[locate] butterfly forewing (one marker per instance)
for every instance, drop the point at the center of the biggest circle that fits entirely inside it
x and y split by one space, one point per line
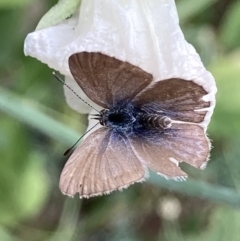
107 80
177 98
103 163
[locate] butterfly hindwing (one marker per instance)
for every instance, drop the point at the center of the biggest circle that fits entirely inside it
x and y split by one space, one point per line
181 143
104 162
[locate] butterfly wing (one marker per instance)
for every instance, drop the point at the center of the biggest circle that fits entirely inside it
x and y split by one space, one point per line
179 99
163 151
104 162
107 80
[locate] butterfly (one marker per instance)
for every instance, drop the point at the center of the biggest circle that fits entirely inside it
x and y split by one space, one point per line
145 124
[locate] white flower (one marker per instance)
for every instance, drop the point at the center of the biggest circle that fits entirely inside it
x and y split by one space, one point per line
144 33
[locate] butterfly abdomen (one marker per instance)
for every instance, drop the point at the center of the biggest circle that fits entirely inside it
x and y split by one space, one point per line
155 121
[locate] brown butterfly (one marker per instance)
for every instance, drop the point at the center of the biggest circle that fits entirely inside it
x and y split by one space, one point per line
145 124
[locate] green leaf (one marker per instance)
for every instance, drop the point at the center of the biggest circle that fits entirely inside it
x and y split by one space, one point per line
6 235
23 183
224 225
188 9
230 29
13 3
61 11
225 121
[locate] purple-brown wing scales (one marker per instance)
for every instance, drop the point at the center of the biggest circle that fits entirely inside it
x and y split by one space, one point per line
104 162
178 99
185 141
107 161
180 143
107 80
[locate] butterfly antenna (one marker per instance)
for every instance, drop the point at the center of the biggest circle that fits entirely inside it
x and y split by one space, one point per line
63 82
68 150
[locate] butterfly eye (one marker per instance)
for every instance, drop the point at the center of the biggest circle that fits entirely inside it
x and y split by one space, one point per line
117 118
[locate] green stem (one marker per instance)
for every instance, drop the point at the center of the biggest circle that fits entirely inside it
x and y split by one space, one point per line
198 188
29 113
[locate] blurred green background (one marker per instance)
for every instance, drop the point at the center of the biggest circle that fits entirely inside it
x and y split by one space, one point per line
37 126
